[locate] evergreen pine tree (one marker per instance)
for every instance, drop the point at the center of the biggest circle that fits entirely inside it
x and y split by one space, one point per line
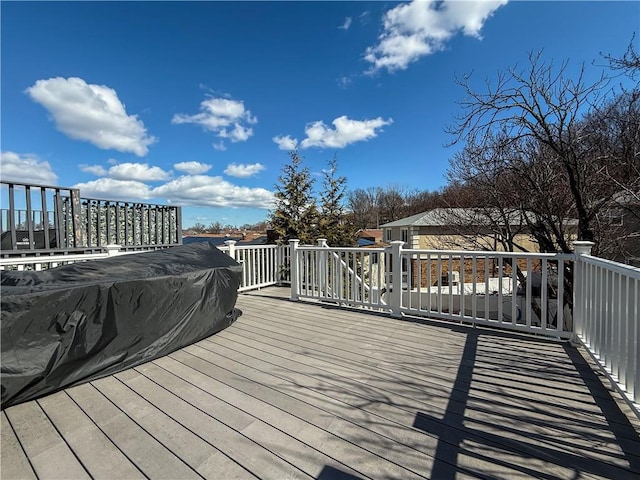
295 214
333 223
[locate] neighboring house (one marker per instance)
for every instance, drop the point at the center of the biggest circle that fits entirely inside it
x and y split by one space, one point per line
622 225
459 229
369 237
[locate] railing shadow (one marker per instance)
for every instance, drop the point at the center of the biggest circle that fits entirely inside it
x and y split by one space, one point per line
332 473
626 435
452 431
446 454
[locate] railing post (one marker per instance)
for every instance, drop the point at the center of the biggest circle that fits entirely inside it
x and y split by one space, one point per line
232 248
293 262
580 248
395 298
322 268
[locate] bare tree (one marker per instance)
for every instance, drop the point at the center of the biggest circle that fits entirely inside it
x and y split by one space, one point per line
628 63
545 109
363 205
495 196
391 204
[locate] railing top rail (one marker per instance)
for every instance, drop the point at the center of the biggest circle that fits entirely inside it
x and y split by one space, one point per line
128 203
248 247
23 184
611 265
52 259
341 249
489 253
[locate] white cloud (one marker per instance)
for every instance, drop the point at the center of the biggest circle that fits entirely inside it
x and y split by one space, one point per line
345 132
413 30
96 170
344 81
238 134
346 24
220 146
137 171
243 171
286 143
93 113
26 168
225 117
192 168
113 189
203 190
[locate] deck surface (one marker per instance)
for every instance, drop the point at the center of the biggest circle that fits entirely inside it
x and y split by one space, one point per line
305 390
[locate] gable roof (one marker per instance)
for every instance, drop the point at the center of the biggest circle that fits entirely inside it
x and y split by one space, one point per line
438 217
441 217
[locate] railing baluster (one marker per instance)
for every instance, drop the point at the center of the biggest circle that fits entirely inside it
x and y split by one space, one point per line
500 290
560 296
12 216
29 218
487 288
544 294
450 283
45 217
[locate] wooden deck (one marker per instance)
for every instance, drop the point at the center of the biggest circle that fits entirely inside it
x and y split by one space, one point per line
304 390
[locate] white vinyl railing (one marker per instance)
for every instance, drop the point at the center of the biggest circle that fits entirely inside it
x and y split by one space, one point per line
489 288
262 265
608 318
567 296
518 291
44 262
348 276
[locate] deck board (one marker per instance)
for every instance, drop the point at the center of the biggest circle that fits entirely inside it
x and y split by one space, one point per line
13 461
307 390
91 446
48 452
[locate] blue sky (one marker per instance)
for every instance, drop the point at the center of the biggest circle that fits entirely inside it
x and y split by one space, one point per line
196 103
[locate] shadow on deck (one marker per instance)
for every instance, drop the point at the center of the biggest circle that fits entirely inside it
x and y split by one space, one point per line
305 390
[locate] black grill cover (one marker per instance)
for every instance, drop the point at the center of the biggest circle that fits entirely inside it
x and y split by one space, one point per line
79 322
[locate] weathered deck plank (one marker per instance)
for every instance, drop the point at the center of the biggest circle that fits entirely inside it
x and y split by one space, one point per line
90 444
14 464
302 390
48 452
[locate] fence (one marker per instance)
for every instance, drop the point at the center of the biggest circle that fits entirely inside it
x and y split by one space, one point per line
526 292
44 262
566 296
262 265
348 276
41 219
556 295
529 292
608 318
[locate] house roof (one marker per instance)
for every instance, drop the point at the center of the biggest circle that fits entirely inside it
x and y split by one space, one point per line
439 217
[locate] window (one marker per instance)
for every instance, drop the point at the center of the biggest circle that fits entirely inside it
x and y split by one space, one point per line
405 235
387 234
615 217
